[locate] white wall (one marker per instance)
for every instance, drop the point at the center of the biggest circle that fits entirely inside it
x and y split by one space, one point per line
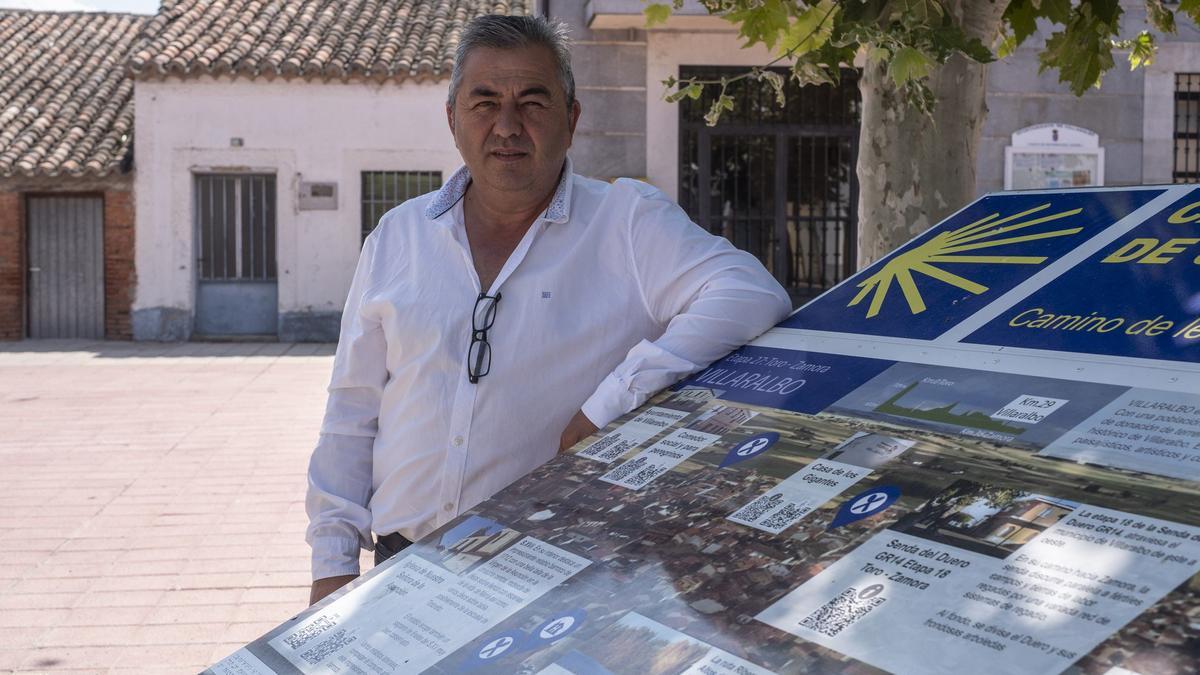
297 130
666 51
1158 122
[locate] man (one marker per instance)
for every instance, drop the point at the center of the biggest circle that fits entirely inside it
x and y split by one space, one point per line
510 314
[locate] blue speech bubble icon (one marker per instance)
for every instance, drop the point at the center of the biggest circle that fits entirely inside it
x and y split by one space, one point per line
865 504
751 447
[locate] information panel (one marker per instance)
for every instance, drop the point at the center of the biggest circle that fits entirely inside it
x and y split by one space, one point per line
898 478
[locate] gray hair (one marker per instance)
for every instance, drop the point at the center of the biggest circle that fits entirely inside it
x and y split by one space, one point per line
513 32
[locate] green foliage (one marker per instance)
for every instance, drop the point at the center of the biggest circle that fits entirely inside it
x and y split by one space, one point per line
776 81
806 73
1021 16
724 102
912 38
656 13
1082 50
1141 50
764 22
687 89
909 64
1160 17
811 29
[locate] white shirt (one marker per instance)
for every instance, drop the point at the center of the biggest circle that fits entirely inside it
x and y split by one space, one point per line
612 294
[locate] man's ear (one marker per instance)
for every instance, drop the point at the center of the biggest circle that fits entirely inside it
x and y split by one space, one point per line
450 117
576 109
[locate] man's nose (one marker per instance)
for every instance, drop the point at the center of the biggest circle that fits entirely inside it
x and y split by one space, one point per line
508 121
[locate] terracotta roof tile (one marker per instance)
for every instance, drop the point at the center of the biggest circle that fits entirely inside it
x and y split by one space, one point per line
66 103
342 39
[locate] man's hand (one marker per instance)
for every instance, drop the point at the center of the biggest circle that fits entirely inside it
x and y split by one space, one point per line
579 428
323 587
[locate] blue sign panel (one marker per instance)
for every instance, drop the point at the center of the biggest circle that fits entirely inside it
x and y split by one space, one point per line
1139 296
787 379
966 262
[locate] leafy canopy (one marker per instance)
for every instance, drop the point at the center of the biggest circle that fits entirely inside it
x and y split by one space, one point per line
912 37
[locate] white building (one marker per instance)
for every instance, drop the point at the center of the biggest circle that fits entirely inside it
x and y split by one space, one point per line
263 160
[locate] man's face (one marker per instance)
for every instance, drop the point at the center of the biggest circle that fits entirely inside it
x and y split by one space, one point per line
510 119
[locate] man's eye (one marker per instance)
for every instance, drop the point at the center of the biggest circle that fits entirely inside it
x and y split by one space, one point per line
536 104
485 104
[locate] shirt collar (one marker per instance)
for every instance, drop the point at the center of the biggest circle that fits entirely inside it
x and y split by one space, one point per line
454 189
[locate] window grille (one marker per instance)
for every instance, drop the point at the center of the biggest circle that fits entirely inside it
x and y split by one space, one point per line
777 181
385 190
235 215
1187 128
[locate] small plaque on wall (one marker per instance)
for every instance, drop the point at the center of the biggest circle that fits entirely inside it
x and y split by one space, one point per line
318 196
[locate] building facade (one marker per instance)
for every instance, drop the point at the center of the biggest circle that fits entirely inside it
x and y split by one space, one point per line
230 231
66 201
270 137
783 184
1147 120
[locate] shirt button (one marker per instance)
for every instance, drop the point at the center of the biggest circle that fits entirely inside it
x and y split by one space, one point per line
458 440
449 506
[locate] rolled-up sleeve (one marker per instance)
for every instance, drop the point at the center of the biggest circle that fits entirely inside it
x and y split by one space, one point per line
339 472
711 296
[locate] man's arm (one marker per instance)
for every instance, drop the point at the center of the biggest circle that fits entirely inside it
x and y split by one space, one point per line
339 473
712 297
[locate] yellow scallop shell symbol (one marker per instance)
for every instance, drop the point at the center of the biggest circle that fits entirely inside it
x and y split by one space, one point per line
949 247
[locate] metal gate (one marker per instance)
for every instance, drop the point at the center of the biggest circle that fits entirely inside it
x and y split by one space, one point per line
777 181
236 288
66 267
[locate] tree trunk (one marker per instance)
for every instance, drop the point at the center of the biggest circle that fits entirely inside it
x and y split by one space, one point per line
914 170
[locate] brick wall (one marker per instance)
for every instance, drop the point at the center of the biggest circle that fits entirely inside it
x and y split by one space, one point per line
12 266
120 279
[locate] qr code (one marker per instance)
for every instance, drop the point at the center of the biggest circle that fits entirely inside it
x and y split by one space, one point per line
790 513
319 625
626 469
607 449
646 475
755 509
334 642
849 606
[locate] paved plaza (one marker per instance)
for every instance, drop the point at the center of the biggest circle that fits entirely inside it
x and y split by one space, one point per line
152 514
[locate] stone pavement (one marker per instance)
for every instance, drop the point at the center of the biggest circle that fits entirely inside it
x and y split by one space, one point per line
151 503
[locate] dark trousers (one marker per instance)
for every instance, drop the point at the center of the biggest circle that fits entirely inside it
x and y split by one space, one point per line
389 545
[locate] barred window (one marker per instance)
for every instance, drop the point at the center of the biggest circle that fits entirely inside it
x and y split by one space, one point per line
384 190
777 181
1187 128
235 227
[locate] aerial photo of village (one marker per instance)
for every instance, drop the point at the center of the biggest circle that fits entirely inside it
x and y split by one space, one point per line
669 553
